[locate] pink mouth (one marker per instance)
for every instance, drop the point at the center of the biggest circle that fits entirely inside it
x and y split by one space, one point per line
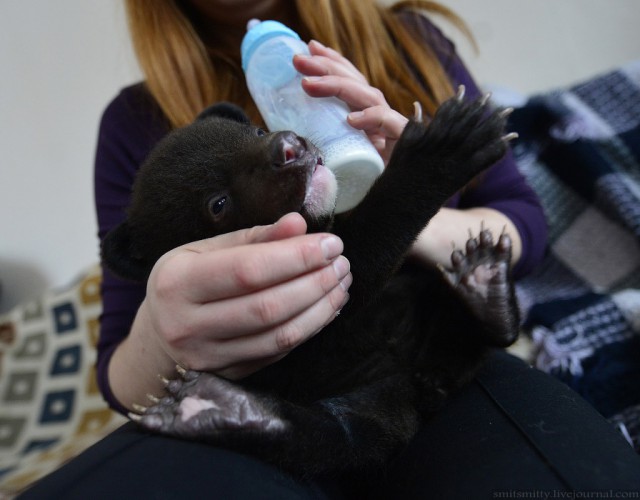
322 189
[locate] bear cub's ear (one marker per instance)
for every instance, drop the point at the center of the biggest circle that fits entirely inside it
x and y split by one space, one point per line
225 110
119 255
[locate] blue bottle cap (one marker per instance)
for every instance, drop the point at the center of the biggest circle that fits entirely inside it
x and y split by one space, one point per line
258 33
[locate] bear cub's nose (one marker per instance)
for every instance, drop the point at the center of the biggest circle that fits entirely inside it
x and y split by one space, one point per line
287 147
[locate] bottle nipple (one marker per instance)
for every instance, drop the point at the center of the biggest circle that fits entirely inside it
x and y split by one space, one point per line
252 23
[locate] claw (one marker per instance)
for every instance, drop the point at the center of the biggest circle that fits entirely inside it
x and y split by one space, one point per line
506 112
153 399
472 244
510 136
485 99
504 242
417 112
461 92
134 416
165 381
139 408
457 258
450 277
486 238
181 371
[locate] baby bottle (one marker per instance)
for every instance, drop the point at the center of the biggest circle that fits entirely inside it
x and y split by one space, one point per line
275 85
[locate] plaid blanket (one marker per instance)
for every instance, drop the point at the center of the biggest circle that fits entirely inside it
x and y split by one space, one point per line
579 147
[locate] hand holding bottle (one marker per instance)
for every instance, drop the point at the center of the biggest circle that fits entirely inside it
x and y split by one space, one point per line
329 74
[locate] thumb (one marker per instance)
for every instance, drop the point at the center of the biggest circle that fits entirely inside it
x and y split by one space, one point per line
288 226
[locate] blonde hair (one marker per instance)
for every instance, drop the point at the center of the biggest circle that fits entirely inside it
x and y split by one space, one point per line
184 75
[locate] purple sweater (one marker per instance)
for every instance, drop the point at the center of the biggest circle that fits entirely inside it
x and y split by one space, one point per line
133 123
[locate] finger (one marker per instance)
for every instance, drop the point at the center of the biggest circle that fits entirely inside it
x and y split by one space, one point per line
235 271
322 66
278 341
356 94
379 141
266 309
288 226
318 49
326 61
379 119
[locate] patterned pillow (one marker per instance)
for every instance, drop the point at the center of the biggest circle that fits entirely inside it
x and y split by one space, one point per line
50 406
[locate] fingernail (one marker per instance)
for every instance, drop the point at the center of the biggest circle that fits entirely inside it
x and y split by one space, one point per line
317 42
312 79
356 115
331 247
346 282
341 266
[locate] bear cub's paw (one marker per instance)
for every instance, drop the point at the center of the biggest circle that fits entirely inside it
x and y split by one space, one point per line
464 138
201 405
480 276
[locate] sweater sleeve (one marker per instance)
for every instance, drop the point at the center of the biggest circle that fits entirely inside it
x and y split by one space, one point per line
130 126
502 187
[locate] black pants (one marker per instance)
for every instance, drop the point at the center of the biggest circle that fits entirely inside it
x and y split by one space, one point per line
513 432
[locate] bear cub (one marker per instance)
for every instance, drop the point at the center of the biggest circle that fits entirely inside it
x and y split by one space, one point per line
353 395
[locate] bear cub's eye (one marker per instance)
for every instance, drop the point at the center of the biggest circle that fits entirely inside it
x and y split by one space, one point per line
217 204
260 132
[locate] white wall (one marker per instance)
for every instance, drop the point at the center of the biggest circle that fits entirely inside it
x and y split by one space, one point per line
536 45
62 61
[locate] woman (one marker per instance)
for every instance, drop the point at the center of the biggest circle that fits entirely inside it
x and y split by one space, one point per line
189 52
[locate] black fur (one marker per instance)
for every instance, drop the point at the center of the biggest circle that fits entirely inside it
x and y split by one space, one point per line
354 394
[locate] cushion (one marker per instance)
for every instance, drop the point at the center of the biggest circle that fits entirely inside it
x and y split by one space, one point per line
50 406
